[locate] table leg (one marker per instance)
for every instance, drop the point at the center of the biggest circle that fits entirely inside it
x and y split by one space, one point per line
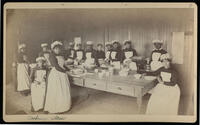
138 93
139 103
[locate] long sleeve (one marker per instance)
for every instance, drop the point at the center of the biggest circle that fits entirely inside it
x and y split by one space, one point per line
155 73
118 56
103 55
94 54
122 56
20 58
151 56
134 52
32 75
54 63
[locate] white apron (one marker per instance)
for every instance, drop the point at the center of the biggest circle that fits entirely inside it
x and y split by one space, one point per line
58 96
89 60
156 64
128 54
133 66
79 55
22 77
164 99
72 53
38 88
107 55
113 55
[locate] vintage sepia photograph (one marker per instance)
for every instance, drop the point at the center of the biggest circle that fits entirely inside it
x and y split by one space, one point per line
100 62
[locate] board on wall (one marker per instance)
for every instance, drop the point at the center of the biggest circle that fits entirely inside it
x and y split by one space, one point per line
177 47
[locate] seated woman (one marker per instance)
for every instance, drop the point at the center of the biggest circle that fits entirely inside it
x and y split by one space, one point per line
155 62
165 96
58 96
38 84
45 53
100 54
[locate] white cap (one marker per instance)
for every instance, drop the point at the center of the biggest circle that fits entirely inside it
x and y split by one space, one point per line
44 44
40 59
157 41
125 41
71 43
22 46
77 42
114 41
99 44
89 42
165 57
55 43
108 43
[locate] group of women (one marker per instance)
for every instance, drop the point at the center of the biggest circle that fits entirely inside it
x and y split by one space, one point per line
51 68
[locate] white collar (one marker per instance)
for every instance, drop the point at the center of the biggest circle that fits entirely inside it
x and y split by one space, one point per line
158 49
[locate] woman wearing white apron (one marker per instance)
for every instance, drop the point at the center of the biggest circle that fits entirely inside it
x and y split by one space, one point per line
166 95
100 54
23 79
115 54
79 55
155 62
108 51
58 96
127 55
90 54
38 84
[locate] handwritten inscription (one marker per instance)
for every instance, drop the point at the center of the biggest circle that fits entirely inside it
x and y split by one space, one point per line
37 117
57 118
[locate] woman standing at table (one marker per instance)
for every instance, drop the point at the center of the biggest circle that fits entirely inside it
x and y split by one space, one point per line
58 97
115 54
23 79
165 96
155 62
100 54
128 51
108 51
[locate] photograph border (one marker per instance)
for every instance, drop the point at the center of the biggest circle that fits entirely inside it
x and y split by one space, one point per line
96 117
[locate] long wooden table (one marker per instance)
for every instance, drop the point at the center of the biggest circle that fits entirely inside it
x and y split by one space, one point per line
123 85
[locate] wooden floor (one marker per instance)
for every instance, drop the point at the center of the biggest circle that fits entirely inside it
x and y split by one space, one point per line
84 101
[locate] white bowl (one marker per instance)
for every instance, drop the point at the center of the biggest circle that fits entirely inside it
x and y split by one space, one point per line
137 76
149 77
